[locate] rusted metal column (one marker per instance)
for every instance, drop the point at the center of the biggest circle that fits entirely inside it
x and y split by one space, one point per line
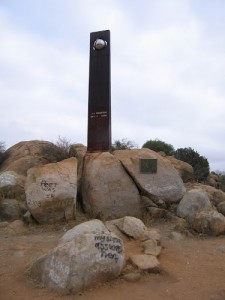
99 97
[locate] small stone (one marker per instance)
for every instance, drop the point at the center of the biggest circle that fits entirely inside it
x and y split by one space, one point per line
151 234
132 277
146 262
132 227
151 248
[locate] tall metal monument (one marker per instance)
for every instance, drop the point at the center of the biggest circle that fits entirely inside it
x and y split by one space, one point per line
99 97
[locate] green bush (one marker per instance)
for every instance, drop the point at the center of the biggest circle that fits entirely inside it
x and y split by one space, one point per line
157 146
199 163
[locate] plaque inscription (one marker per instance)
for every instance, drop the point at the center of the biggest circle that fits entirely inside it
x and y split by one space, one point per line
148 165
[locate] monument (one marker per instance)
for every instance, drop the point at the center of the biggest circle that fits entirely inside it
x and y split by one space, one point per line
99 97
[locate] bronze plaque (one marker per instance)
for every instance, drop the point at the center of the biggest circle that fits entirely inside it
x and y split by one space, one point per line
148 165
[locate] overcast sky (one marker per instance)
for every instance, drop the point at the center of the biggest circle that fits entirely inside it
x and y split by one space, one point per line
168 71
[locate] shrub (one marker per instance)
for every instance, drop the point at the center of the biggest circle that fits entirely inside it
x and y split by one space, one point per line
123 144
64 144
2 152
199 163
157 146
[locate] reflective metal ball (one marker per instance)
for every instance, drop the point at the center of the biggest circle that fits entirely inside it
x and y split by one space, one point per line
100 44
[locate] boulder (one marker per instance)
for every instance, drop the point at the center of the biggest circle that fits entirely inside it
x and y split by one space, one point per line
208 222
108 192
221 208
25 155
11 209
185 170
86 260
12 185
51 191
193 201
92 226
213 180
165 185
216 196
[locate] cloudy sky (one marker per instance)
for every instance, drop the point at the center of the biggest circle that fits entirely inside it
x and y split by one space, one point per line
168 71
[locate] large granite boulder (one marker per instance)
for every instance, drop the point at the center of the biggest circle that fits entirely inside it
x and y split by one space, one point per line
25 155
185 170
165 185
192 202
51 191
108 191
12 185
85 260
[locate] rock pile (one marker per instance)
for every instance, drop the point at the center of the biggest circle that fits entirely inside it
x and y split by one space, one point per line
35 176
90 253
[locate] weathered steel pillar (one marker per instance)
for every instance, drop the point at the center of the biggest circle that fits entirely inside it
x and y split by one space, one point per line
99 97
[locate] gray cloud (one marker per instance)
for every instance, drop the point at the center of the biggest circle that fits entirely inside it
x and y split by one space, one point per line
167 71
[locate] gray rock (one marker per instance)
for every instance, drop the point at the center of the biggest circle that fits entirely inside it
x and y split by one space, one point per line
107 190
165 185
82 262
132 227
208 221
221 208
146 262
11 209
193 201
151 248
152 234
12 185
112 226
92 226
51 191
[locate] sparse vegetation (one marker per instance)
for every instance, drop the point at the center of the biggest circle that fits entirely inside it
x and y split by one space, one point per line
123 144
2 152
157 146
64 144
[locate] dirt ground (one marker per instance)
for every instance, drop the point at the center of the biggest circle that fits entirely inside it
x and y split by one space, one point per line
192 268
